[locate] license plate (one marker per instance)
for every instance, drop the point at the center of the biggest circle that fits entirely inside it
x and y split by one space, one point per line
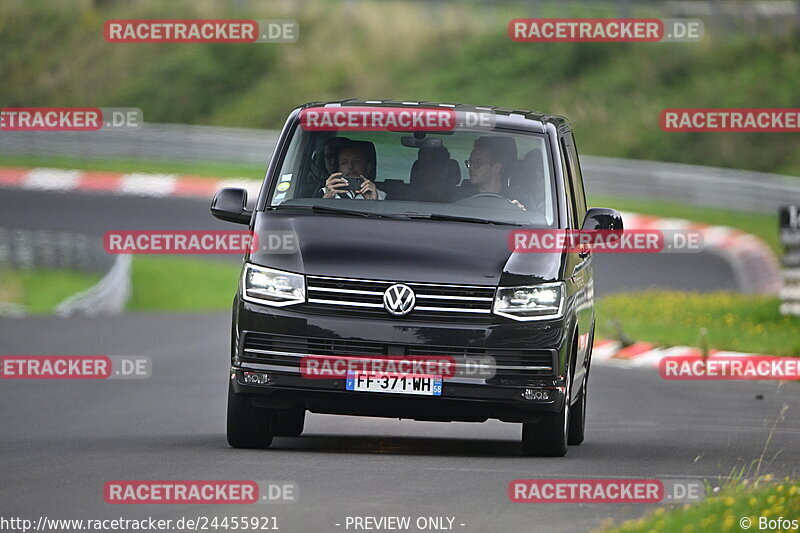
419 384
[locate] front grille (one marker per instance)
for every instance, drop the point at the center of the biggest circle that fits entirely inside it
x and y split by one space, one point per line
287 350
432 300
309 346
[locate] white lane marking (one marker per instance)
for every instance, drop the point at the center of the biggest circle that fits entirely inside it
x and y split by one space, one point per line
253 187
148 184
52 179
605 349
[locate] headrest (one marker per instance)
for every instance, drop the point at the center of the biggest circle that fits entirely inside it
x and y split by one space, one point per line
503 149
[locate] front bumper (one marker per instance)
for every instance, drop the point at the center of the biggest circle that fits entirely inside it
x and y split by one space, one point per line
463 398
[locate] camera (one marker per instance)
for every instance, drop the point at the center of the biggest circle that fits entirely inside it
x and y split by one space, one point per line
354 183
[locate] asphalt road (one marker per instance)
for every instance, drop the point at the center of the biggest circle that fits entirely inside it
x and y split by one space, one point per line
62 440
94 214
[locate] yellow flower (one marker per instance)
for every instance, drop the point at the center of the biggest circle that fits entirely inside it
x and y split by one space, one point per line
728 523
729 501
688 528
706 522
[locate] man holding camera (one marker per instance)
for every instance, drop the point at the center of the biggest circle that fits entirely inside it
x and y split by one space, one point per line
351 181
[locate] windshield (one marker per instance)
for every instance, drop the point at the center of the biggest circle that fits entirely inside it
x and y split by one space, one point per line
462 175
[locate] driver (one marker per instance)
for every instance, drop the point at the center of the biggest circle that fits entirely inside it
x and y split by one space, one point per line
353 160
487 165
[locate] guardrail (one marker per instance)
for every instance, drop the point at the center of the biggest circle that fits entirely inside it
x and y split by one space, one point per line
22 249
689 184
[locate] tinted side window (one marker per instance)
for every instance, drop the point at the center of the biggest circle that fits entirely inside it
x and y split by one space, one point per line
574 218
576 177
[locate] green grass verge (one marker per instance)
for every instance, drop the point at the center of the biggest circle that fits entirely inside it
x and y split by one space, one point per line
41 290
163 283
763 226
724 512
737 322
209 170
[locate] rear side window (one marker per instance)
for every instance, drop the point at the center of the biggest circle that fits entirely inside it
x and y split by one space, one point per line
578 198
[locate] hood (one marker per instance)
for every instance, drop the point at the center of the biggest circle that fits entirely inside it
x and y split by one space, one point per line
401 250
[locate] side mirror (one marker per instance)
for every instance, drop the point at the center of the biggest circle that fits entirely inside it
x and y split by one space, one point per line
230 205
602 218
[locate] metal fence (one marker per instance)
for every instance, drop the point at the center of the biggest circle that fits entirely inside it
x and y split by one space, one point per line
22 249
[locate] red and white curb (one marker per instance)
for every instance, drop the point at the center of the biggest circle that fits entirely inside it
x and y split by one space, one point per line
647 355
134 184
755 267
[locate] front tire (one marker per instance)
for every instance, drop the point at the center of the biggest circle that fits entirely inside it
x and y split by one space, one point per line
289 422
248 426
548 437
577 420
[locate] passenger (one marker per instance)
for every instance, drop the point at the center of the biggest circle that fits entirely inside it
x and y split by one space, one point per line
354 159
488 166
531 169
324 166
330 155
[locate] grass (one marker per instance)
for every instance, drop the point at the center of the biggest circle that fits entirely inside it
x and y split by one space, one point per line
39 290
445 51
160 283
723 512
180 284
209 170
737 322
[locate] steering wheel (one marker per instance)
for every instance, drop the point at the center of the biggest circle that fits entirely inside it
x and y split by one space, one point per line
483 195
488 195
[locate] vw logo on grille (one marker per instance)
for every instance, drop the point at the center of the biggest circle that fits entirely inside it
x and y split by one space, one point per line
399 299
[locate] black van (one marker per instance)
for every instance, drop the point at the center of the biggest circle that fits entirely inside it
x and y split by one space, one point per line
395 245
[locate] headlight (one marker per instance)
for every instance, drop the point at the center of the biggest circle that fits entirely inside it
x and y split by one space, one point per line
272 287
534 302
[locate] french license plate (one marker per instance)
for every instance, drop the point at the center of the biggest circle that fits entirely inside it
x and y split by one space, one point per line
419 384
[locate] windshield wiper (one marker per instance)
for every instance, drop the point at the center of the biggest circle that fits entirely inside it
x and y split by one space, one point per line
336 211
456 218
